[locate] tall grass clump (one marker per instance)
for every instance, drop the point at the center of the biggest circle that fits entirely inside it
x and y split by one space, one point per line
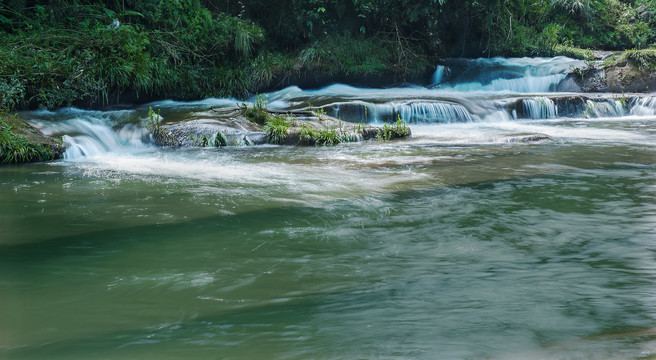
16 149
396 130
258 113
277 129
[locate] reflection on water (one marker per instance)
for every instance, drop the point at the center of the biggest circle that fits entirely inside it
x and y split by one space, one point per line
464 242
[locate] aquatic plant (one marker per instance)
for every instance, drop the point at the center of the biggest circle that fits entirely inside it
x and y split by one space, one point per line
277 129
220 140
258 113
398 129
154 121
200 141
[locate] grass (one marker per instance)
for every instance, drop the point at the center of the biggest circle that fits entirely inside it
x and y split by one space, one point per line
398 129
573 52
277 129
258 113
17 149
161 136
643 59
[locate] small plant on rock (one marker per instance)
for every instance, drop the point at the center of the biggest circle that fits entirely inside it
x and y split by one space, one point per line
154 121
258 113
277 129
399 129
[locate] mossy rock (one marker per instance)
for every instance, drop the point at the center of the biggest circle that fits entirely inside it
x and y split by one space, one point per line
20 142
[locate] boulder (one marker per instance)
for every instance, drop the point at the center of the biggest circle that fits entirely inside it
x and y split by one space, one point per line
232 128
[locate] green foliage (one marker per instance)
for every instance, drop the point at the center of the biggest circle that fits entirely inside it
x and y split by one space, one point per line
572 52
90 52
398 129
154 121
349 54
644 59
277 129
16 149
200 141
258 113
332 136
75 52
220 140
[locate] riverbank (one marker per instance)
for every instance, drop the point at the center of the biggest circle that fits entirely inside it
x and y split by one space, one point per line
347 122
619 72
90 54
21 143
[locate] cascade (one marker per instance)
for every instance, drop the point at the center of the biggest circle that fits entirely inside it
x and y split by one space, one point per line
438 75
92 133
643 106
527 84
523 75
604 108
540 108
412 112
433 112
96 139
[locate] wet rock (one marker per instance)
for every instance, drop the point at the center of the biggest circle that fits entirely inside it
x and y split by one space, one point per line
620 76
34 135
210 132
309 129
569 84
527 138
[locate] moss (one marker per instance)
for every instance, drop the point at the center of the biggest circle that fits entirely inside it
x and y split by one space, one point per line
573 52
645 59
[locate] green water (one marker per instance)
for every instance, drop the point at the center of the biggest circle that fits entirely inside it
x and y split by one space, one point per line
438 247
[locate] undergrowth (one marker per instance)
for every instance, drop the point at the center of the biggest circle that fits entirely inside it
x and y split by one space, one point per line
643 59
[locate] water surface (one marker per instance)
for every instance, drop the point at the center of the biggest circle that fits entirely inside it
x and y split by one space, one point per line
460 243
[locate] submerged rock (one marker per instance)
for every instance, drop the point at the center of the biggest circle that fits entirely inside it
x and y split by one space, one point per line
527 138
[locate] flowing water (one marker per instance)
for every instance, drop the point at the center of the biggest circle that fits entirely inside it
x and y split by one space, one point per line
467 241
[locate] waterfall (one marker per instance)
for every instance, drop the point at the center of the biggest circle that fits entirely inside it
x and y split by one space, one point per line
92 133
433 112
96 139
527 84
438 75
643 106
540 108
521 75
604 108
412 112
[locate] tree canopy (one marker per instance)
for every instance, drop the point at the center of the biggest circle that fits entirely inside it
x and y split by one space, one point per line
61 52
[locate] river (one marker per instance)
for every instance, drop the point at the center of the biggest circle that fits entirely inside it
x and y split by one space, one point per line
518 222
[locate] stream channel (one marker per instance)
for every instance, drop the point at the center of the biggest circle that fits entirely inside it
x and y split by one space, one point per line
518 222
